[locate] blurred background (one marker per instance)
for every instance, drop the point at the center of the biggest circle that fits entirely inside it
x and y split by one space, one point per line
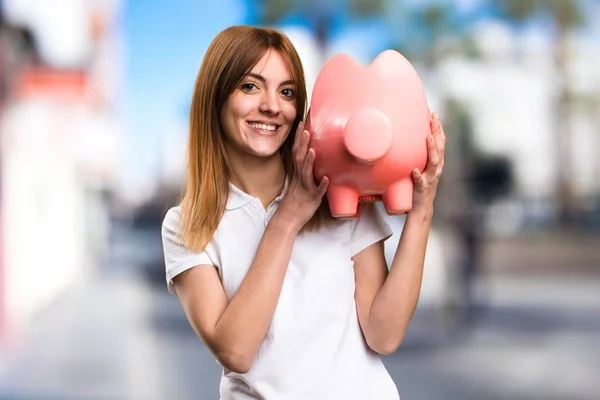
94 101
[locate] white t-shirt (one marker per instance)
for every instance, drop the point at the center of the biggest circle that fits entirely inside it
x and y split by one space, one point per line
314 348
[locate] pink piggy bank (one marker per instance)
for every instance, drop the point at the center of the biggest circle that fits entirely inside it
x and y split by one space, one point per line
368 126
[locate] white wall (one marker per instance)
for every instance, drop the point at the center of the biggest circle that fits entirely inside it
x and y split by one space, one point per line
43 212
62 28
512 102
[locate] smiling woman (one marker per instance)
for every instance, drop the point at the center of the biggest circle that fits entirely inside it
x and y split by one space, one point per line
249 76
292 303
258 115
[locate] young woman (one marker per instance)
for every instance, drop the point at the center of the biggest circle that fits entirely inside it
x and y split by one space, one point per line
293 304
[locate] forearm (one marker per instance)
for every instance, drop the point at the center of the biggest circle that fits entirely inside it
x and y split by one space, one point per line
243 325
396 301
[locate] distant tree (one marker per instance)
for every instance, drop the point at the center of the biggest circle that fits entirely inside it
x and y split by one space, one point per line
272 11
565 16
366 8
436 31
318 12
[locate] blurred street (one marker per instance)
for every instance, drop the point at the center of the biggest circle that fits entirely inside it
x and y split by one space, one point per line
122 336
95 105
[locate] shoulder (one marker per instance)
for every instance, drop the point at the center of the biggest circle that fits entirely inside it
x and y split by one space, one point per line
172 217
369 212
170 225
370 227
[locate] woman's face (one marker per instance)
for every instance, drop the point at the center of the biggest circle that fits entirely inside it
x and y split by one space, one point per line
258 115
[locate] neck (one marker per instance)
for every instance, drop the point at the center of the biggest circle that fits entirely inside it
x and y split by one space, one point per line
261 177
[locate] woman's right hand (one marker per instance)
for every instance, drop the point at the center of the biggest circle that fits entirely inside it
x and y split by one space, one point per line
303 196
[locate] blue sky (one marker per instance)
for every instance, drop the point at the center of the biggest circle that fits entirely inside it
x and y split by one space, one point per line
164 44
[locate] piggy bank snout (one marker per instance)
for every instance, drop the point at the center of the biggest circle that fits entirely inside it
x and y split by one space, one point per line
368 135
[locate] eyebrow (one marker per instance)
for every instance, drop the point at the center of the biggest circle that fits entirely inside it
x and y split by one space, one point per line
263 80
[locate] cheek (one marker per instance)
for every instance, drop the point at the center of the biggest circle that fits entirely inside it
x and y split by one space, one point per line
289 112
246 105
240 106
227 120
234 114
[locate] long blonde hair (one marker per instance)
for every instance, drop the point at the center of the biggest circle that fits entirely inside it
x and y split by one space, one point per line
229 58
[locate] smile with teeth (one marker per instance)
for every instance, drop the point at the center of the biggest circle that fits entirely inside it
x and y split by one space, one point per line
263 127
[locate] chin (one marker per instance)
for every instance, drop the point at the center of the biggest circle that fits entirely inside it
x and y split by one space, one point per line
264 148
265 153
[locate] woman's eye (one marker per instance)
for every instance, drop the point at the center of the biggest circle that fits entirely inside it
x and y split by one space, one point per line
288 92
248 86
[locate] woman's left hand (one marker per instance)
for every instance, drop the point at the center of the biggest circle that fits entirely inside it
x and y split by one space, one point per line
426 182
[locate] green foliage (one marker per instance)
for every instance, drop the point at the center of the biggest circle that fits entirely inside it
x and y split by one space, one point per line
366 8
518 10
436 17
566 14
273 11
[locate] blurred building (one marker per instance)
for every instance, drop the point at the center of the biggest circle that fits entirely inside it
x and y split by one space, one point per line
60 134
510 94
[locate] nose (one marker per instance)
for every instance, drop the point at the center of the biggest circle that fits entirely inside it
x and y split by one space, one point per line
270 103
368 135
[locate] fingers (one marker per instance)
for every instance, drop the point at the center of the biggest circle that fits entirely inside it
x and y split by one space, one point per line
322 188
433 158
297 136
436 146
305 161
308 179
301 150
437 131
436 127
417 176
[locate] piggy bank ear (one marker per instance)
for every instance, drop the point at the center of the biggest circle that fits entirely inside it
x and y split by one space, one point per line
336 80
399 83
391 64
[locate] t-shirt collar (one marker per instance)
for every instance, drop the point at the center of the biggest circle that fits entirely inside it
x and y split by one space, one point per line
238 198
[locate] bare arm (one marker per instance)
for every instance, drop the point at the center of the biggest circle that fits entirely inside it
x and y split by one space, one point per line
234 330
386 302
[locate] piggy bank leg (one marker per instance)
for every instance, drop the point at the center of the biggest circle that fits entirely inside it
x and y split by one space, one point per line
397 198
355 216
343 201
